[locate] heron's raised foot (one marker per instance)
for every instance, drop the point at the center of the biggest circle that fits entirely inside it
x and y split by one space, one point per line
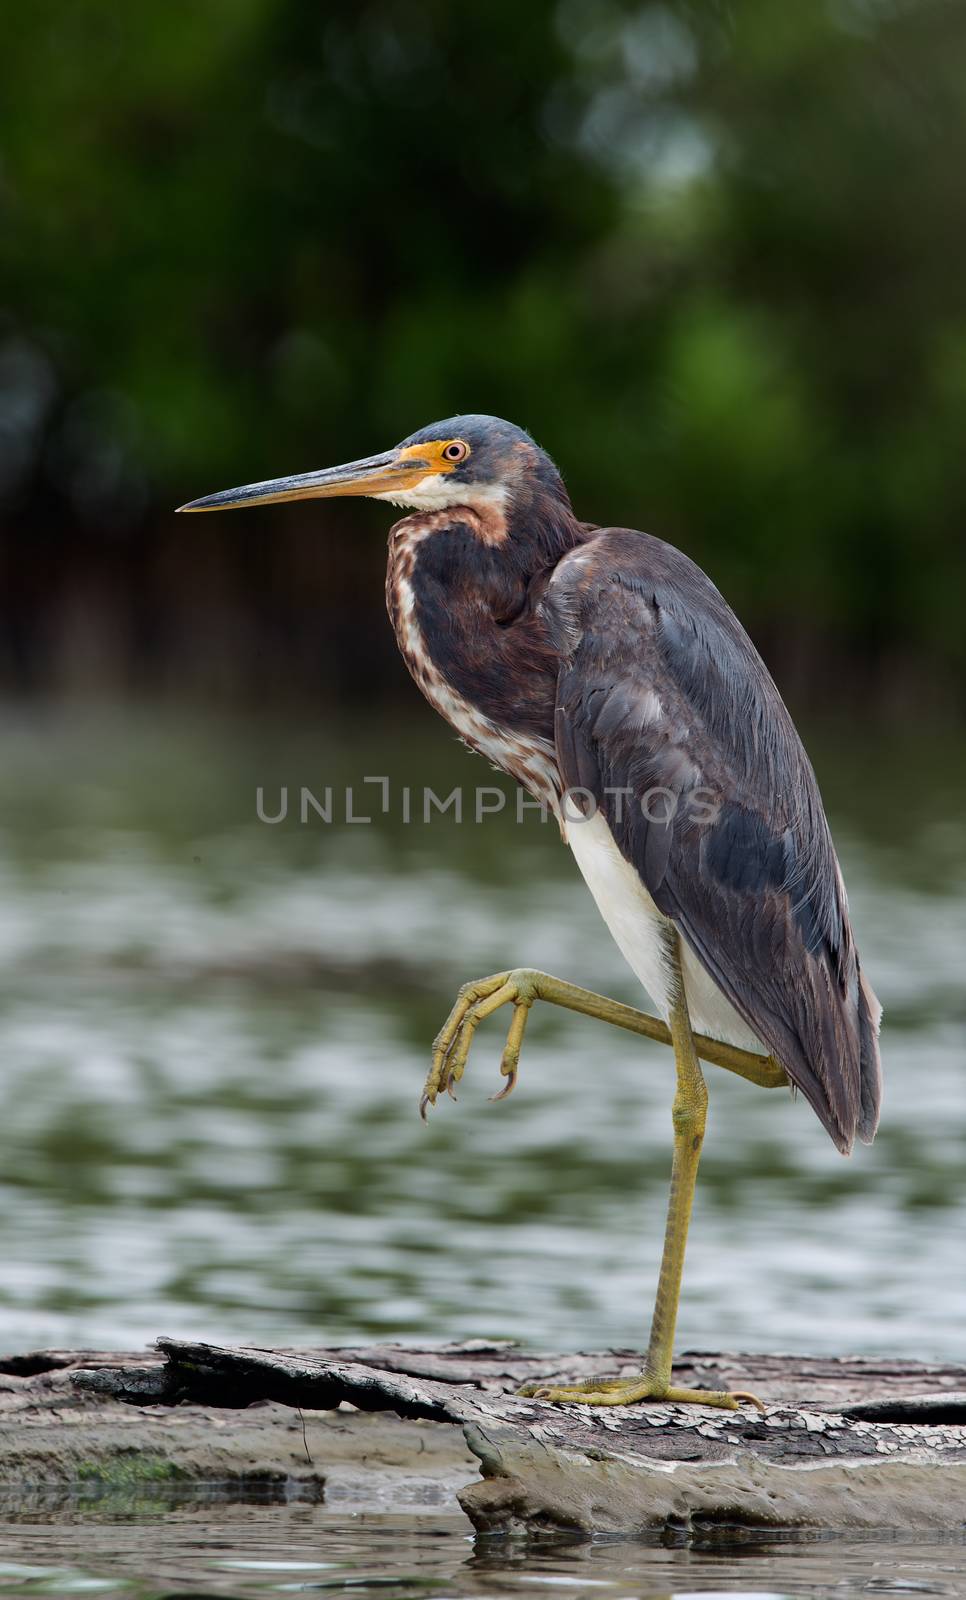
519 989
474 1002
627 1391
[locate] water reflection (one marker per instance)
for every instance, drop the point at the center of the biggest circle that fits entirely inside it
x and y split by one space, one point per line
213 1034
260 1551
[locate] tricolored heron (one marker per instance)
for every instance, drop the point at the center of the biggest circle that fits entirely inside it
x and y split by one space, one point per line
603 670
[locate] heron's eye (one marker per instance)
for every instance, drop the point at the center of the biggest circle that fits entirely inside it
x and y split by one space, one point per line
457 451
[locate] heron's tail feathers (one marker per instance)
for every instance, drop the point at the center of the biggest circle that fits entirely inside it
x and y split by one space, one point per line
832 1055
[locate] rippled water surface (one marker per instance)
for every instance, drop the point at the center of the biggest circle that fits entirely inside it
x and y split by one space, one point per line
266 1551
214 1031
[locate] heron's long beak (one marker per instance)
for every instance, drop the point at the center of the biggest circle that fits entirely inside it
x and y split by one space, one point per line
387 473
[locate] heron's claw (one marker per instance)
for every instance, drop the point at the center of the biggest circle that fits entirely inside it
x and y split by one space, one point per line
508 1087
452 1046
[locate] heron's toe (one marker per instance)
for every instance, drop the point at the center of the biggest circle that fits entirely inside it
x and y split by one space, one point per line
630 1391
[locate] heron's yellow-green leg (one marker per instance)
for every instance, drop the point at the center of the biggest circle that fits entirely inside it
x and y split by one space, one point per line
520 988
688 1116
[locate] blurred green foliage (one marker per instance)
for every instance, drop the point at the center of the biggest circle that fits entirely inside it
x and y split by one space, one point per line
712 254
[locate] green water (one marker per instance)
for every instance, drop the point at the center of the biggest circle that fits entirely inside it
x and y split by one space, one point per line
213 1035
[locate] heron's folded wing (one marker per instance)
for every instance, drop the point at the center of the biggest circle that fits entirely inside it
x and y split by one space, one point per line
668 717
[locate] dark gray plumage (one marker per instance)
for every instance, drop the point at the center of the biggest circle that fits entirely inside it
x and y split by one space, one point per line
756 892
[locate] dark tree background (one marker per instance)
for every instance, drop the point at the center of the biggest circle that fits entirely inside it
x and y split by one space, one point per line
713 254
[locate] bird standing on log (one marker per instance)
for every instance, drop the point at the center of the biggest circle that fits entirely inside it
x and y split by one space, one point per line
602 669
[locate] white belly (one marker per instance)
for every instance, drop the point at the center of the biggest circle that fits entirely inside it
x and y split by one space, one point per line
638 930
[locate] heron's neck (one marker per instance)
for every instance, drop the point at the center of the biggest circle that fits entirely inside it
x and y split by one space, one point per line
541 528
462 606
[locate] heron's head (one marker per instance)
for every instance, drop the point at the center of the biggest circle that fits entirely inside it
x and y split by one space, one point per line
475 461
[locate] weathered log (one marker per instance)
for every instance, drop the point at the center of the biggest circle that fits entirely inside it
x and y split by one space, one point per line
61 1444
842 1444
